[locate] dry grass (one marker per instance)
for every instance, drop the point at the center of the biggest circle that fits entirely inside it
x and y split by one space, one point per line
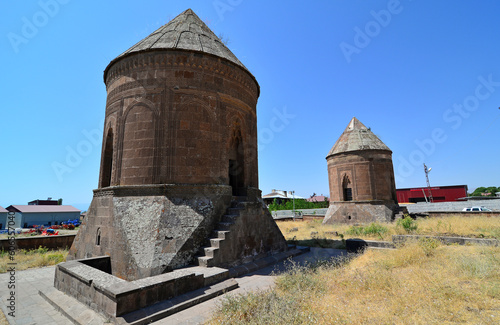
420 283
3 319
479 227
33 258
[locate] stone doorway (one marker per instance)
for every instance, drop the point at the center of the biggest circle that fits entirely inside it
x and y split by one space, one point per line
236 165
107 160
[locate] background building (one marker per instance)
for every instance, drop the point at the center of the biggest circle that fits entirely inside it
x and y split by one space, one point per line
280 196
3 218
49 201
47 215
439 194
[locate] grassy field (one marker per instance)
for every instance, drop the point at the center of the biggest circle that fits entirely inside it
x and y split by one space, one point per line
303 231
423 282
26 259
420 283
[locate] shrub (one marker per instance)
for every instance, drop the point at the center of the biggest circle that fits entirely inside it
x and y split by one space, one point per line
408 224
372 229
428 245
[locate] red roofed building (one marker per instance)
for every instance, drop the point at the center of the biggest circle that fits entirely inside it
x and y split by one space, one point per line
439 194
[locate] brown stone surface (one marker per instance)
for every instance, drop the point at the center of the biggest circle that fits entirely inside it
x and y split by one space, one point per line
361 178
166 128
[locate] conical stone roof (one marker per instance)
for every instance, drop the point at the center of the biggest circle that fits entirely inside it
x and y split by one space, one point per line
185 32
357 137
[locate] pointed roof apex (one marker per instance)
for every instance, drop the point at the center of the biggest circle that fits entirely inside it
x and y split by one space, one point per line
185 32
357 137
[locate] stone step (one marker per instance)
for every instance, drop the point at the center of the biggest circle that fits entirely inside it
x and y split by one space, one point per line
238 204
172 306
215 242
205 261
210 274
222 234
227 218
224 226
239 198
210 251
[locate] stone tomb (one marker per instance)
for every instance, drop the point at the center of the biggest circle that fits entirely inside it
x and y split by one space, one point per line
178 184
361 178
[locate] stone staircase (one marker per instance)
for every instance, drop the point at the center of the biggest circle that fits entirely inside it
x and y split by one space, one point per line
210 254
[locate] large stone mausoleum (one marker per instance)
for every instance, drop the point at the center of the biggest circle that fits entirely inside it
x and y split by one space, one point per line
178 180
361 178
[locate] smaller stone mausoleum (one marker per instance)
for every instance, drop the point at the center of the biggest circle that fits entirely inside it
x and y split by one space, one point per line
361 178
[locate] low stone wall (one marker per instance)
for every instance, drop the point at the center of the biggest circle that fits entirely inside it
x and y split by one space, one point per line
444 214
311 217
113 296
283 214
398 239
356 244
51 242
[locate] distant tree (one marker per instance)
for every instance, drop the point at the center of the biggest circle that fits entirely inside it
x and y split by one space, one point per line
59 202
491 190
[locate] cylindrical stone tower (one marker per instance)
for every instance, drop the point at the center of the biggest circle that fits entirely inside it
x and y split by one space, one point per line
181 108
361 177
180 142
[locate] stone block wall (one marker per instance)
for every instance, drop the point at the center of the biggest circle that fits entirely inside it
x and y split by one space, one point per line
360 212
51 242
170 116
370 173
149 230
113 296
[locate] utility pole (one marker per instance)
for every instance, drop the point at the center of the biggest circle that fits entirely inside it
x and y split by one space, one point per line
293 200
427 170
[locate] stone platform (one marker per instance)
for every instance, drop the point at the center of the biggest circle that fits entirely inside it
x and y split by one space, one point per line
88 282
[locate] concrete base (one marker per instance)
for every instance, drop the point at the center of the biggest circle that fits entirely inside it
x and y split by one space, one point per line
352 212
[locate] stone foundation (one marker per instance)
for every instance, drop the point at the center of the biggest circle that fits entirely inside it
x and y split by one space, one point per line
360 212
149 230
113 296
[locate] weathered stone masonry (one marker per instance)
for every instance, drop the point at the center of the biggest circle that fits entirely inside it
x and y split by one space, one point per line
361 178
179 169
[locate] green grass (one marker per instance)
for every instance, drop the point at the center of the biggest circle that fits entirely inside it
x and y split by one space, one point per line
33 258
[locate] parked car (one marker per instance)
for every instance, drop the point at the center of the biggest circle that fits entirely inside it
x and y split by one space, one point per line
476 209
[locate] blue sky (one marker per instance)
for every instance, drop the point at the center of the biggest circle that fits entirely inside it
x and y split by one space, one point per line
423 75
